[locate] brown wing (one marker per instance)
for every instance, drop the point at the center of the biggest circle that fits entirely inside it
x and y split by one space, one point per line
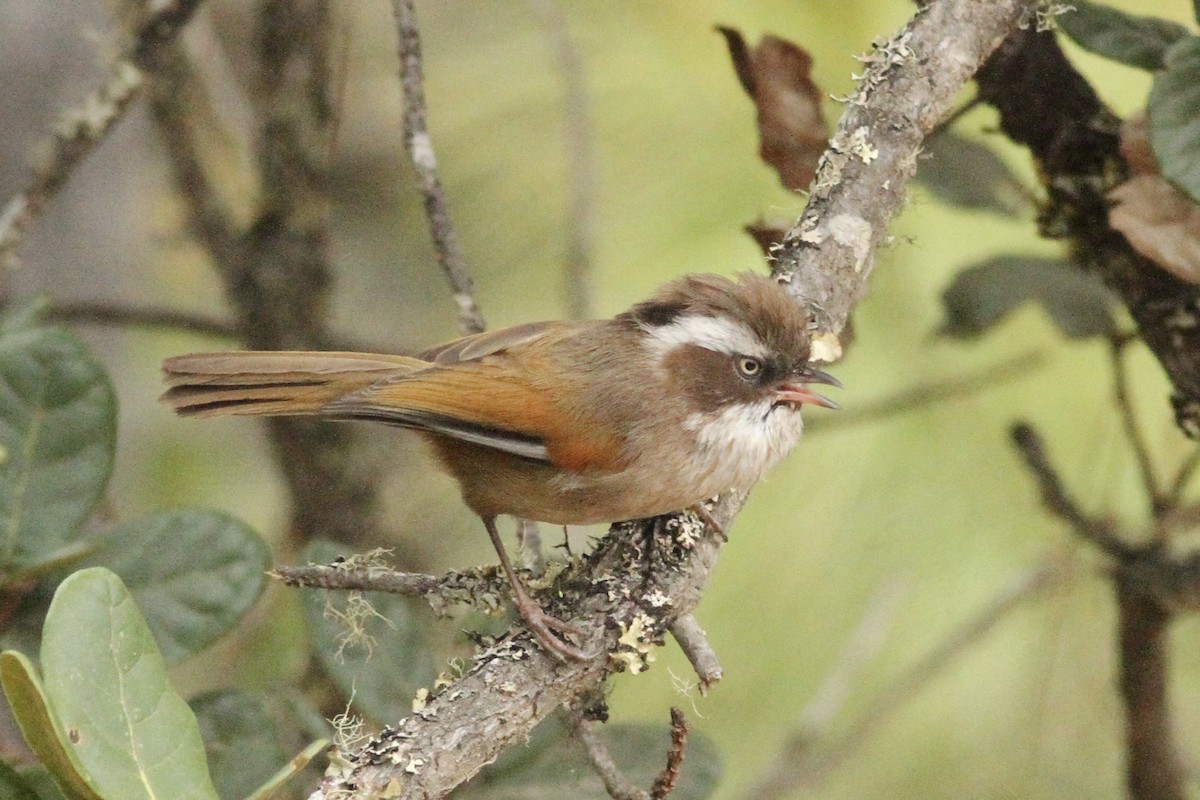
485 403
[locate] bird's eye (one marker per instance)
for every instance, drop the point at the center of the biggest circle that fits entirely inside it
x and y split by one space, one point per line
749 367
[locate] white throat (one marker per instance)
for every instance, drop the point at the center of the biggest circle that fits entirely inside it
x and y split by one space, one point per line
741 443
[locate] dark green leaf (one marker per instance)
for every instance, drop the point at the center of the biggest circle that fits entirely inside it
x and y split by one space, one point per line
552 765
1136 41
42 782
1174 111
382 674
13 786
241 738
57 432
981 295
132 734
194 572
964 173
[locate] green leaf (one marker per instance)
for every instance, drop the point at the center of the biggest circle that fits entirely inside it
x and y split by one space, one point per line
13 786
981 295
57 434
41 729
553 765
964 173
132 734
269 790
382 675
1136 41
194 573
241 738
1174 111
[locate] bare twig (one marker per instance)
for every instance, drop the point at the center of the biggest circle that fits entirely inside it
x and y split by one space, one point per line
861 646
84 313
664 784
529 538
581 178
699 652
864 643
420 148
79 131
500 700
1118 347
800 765
615 783
956 115
926 394
1055 497
1153 770
1183 477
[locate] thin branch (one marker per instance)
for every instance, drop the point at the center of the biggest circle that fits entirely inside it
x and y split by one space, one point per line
695 645
1183 477
956 115
1055 497
1153 770
515 685
1154 496
79 131
420 148
581 168
85 313
863 644
665 783
362 579
802 766
899 101
529 538
926 394
615 783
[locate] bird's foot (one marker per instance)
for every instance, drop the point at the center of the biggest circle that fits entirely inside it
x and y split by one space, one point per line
543 627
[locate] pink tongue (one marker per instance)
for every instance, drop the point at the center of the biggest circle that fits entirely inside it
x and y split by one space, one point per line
801 395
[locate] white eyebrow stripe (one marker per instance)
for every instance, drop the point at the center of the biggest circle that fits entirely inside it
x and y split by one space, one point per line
720 334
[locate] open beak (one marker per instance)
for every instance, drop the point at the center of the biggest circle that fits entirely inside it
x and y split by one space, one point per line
796 391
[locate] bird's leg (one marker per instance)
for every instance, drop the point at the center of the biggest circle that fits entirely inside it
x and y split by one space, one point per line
708 519
538 621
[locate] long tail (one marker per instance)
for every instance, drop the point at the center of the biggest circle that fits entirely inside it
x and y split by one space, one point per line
273 383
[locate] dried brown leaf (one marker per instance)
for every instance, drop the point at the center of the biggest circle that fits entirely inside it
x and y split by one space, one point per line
791 125
1160 222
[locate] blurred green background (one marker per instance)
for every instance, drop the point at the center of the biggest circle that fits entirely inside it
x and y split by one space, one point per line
919 518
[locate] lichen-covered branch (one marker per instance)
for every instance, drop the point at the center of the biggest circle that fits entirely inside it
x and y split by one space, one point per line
80 130
909 85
